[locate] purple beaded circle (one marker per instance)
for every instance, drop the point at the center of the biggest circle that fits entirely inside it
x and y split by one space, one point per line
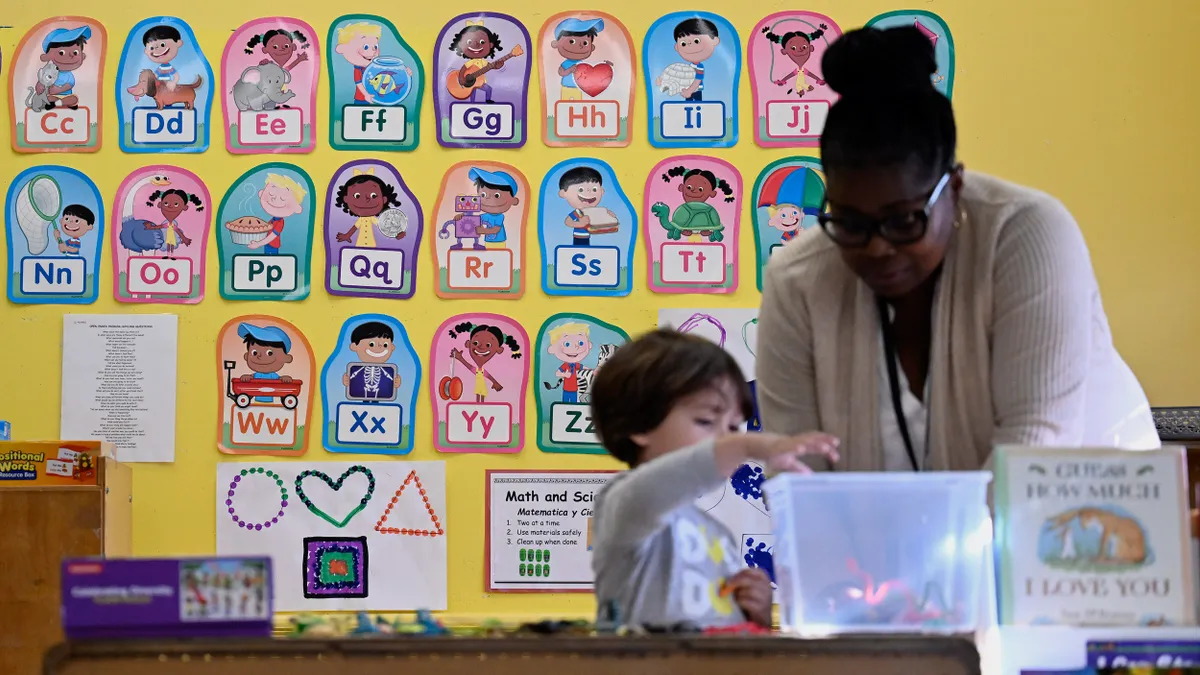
233 486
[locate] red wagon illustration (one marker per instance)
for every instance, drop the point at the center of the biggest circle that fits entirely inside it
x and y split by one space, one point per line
243 393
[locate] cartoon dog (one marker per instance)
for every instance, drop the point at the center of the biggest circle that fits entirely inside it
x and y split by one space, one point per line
47 76
147 85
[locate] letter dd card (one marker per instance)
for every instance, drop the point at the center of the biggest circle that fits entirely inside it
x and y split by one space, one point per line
55 89
791 98
788 195
269 72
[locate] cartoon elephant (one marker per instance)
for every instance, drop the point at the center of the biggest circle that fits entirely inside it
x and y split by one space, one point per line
262 88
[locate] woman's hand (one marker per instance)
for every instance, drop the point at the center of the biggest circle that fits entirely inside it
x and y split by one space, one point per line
752 592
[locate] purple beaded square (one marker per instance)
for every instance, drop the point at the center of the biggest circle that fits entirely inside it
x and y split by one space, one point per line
335 567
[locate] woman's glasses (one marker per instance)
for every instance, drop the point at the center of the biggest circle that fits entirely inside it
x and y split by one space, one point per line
899 230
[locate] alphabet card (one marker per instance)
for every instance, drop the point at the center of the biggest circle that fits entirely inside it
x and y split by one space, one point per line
369 388
375 98
481 81
478 374
586 226
692 64
791 98
788 195
480 219
54 84
164 89
570 349
933 27
586 70
373 227
693 209
265 241
54 224
265 374
270 69
159 240
736 331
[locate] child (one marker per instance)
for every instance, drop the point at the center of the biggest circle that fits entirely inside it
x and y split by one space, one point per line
365 196
278 45
280 197
570 343
373 343
574 40
497 194
583 188
267 350
696 40
64 47
797 46
171 203
358 43
670 406
483 343
77 220
477 43
698 186
162 45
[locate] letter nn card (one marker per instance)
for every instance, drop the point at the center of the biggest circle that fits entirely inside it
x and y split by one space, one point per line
788 195
55 89
692 64
269 72
791 98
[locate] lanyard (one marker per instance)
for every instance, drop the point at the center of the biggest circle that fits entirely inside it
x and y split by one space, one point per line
889 353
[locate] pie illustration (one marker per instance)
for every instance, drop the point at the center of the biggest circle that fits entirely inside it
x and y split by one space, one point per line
248 229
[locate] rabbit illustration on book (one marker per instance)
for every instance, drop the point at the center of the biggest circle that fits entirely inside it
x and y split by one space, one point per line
1120 540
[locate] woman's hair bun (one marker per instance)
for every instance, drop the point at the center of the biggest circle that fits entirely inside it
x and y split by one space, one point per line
876 61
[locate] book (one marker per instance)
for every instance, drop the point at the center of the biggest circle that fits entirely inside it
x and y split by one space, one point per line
1139 654
1093 537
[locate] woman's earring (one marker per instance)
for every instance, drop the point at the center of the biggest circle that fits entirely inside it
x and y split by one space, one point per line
961 218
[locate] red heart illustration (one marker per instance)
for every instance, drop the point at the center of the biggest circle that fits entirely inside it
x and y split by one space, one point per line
593 80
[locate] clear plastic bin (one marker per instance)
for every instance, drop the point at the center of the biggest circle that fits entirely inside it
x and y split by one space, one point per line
880 552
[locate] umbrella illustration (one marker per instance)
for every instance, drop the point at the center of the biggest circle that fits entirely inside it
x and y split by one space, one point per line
796 185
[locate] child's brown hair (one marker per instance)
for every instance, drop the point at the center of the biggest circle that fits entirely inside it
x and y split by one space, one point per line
643 381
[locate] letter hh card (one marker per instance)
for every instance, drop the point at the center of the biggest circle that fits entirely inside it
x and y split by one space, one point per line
481 213
373 226
587 227
791 99
265 372
692 210
788 195
264 243
269 72
54 225
933 27
54 84
375 97
570 348
162 215
481 67
478 373
586 70
692 64
369 388
164 89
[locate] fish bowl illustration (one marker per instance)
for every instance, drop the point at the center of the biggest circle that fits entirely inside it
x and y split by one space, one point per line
387 80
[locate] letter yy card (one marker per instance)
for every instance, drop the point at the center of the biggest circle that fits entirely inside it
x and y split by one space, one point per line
791 98
269 72
164 89
54 84
933 27
788 195
481 66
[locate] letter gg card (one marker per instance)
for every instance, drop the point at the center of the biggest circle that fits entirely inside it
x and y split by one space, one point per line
369 388
265 372
586 71
375 98
692 64
788 195
159 240
692 210
478 373
791 99
481 213
570 348
54 85
934 28
54 224
269 73
587 227
164 89
264 242
481 81
373 226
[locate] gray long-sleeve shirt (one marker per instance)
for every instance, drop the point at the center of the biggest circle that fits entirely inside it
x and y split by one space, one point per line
656 556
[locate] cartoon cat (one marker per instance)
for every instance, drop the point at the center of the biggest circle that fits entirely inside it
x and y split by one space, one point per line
47 76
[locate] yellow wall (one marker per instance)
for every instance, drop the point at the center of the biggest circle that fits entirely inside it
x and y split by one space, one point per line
1082 98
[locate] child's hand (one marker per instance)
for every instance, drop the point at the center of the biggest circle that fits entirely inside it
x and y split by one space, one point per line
780 453
752 592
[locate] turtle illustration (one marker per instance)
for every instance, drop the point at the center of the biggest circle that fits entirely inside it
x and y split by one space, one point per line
690 218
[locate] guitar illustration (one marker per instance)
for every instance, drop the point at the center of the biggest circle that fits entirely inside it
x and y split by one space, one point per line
463 82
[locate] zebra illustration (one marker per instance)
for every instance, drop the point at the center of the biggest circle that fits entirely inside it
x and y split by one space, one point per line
585 374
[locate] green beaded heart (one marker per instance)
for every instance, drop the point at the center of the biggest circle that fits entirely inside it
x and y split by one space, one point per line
335 486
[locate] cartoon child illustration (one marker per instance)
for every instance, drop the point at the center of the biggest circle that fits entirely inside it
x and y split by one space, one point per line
77 220
497 194
358 43
162 45
365 196
483 343
696 40
373 343
280 197
797 46
64 48
575 41
583 188
694 217
279 45
787 218
171 203
477 44
267 352
570 343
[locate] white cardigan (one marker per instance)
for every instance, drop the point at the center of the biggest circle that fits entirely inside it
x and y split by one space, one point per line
1021 354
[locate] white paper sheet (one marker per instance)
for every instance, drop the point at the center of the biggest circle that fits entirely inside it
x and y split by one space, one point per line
118 383
403 570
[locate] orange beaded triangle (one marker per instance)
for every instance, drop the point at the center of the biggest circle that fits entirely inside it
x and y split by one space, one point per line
435 531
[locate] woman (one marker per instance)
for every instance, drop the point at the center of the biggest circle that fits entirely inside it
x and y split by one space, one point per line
981 289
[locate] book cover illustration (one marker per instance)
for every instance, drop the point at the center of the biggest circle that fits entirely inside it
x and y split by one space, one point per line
1143 656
